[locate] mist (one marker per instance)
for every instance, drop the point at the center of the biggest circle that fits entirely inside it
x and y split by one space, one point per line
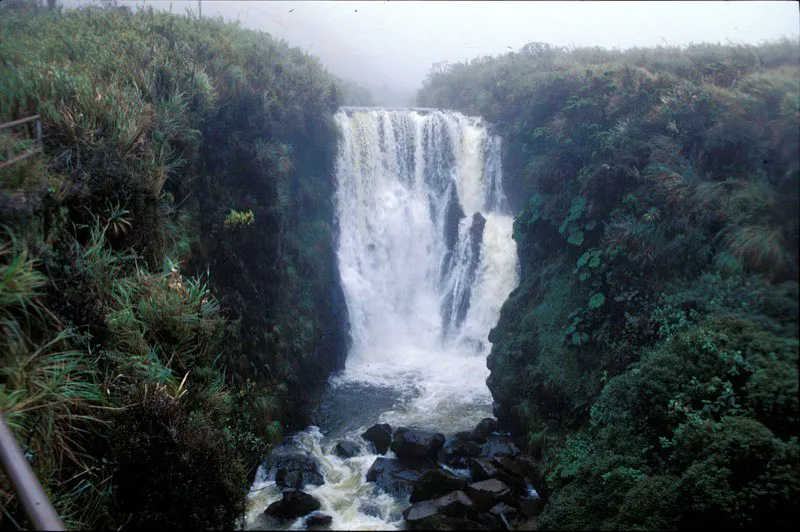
388 47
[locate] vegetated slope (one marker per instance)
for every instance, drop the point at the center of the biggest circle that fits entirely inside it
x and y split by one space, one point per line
168 290
650 352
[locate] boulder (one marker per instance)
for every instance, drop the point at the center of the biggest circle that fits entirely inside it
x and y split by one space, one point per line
455 504
517 484
295 503
496 446
446 522
379 435
528 524
487 493
416 443
346 449
318 520
509 465
528 467
398 476
505 513
530 506
514 472
456 452
294 471
486 427
467 435
481 469
435 483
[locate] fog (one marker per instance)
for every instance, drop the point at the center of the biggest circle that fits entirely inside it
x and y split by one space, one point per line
388 47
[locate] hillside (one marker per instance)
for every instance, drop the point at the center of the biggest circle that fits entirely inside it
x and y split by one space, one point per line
650 352
168 286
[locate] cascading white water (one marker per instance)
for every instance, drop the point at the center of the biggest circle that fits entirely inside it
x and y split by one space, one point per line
426 260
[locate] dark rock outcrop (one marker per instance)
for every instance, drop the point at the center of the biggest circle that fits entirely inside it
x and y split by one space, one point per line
398 476
455 504
452 216
530 506
436 483
496 446
481 469
486 427
506 514
467 435
294 471
456 452
346 449
295 503
379 435
318 521
487 493
416 443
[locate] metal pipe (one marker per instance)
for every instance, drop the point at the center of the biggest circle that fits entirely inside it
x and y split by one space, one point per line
19 158
20 122
30 493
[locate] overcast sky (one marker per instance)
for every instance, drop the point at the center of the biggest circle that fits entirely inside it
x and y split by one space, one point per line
394 43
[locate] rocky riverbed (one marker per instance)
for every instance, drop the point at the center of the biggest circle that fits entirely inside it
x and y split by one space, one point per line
474 479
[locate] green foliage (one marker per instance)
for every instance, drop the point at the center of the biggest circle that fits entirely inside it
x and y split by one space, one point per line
664 188
239 219
596 301
197 470
143 398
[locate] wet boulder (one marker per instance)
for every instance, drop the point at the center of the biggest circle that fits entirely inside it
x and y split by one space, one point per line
481 469
455 504
294 471
410 443
379 435
318 521
294 504
487 493
528 524
496 446
512 473
456 452
398 476
528 467
506 514
509 465
486 427
346 449
466 435
530 506
446 522
436 483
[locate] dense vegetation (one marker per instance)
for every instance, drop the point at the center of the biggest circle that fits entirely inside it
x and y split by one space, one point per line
167 278
650 352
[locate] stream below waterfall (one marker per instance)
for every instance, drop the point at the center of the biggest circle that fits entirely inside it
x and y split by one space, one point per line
426 259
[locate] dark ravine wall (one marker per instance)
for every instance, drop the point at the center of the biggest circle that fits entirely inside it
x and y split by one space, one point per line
652 340
168 286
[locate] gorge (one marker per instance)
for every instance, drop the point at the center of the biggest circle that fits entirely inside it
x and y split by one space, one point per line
426 260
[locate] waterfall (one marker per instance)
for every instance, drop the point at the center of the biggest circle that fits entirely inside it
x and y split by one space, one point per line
426 260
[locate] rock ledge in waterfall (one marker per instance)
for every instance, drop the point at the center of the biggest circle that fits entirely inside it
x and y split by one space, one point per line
379 435
397 476
409 443
295 470
436 483
294 504
346 449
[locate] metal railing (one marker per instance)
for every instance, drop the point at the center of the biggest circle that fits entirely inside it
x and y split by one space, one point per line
8 126
29 492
